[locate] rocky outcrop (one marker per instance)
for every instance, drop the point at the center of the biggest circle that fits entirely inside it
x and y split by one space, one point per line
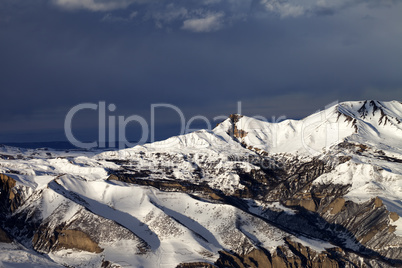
291 255
303 200
394 216
10 198
335 206
47 239
294 254
370 224
75 239
65 239
234 130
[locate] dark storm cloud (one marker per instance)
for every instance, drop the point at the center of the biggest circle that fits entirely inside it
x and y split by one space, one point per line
278 57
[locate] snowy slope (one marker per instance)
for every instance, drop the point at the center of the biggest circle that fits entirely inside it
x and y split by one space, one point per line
17 256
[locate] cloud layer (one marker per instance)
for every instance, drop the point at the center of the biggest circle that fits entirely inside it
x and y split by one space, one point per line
210 15
209 23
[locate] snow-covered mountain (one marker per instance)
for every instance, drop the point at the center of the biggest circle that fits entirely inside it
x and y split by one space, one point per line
324 191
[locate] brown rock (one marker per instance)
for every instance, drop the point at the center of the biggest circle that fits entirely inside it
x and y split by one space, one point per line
238 133
257 258
392 229
254 259
394 216
214 196
4 238
325 263
367 237
6 182
9 201
308 204
113 177
378 202
336 206
75 239
229 260
278 262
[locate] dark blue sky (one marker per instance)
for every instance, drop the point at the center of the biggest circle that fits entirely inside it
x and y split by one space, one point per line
277 57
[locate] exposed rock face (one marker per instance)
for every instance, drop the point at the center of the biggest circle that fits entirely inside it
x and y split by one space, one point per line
75 239
61 238
292 255
256 258
369 223
234 131
335 206
4 237
10 199
394 216
304 201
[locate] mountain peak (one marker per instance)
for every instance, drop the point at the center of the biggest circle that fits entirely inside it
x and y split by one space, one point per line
358 120
376 113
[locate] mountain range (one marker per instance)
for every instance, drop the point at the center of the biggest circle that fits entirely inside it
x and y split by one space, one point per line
324 191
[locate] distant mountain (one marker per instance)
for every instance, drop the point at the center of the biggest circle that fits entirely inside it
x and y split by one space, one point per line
324 191
57 145
60 145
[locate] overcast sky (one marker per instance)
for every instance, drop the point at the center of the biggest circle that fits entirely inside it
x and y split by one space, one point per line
278 57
